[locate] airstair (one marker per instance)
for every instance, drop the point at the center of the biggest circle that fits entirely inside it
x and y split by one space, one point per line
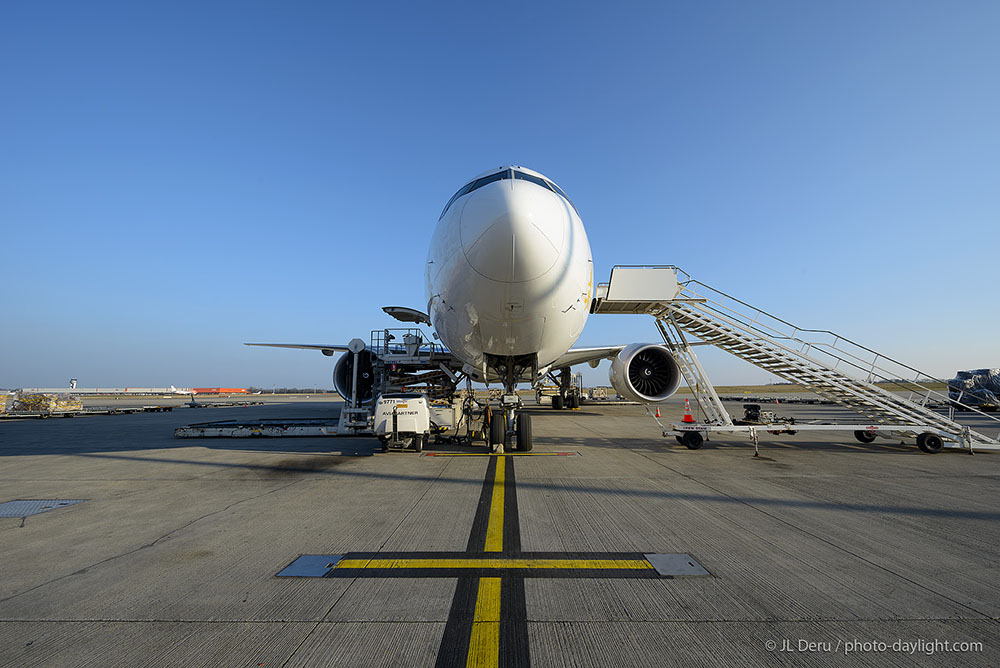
894 397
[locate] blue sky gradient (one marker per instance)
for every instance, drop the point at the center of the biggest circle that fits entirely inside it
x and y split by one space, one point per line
178 178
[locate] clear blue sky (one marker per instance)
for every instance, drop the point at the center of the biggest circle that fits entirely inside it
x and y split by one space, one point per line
177 178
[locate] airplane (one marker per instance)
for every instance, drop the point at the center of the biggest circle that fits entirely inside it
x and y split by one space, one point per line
509 284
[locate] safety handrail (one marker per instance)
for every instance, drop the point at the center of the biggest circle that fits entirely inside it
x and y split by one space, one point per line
871 365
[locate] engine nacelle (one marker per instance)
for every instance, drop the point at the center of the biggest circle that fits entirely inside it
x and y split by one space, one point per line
343 375
645 372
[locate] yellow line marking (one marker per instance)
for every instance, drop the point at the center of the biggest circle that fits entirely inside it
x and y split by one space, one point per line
484 644
496 562
494 528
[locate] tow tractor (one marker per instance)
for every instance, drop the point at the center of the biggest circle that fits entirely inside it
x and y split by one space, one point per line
402 420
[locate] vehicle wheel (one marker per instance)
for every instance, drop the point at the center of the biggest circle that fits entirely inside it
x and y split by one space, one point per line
929 443
679 439
692 440
557 402
864 436
497 430
418 443
524 443
385 443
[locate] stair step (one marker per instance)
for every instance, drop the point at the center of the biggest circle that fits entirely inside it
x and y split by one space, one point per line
753 345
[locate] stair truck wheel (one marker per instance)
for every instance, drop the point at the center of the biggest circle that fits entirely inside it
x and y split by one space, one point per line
929 443
864 436
524 440
692 440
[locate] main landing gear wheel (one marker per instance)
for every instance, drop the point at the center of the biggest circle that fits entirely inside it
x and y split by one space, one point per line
498 431
864 435
557 402
692 440
929 443
524 443
573 401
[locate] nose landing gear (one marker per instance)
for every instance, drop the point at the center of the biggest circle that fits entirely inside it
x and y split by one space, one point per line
509 427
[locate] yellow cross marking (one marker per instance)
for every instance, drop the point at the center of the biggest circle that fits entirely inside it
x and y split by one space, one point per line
497 562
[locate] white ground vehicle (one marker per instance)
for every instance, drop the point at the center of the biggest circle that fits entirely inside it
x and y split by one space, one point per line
402 419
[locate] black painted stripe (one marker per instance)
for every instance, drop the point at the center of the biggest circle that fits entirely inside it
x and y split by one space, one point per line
477 537
515 652
511 523
454 649
514 648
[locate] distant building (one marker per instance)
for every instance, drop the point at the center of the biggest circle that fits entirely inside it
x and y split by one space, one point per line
219 390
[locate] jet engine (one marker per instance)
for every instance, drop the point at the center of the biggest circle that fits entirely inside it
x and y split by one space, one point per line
645 372
343 375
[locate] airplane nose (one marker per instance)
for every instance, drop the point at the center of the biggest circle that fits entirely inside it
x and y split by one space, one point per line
513 231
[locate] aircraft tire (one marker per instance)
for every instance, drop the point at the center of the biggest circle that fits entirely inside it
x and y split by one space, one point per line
497 431
557 402
864 436
524 440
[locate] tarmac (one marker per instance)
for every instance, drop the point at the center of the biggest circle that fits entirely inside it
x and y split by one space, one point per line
821 551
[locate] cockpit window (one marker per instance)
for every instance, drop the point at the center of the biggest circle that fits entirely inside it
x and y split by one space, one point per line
545 184
534 179
506 174
475 185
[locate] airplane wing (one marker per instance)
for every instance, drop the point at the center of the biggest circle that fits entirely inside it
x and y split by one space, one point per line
328 349
590 355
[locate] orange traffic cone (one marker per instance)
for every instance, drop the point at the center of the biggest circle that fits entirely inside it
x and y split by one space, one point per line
687 411
657 411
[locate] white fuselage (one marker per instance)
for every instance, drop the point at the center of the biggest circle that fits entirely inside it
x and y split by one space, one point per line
509 272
